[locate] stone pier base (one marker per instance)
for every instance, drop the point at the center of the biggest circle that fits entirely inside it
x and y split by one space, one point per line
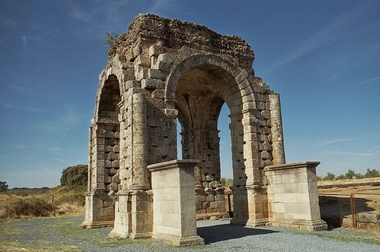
293 196
133 215
100 210
174 213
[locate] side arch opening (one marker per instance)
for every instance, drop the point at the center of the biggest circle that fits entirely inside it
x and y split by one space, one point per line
104 141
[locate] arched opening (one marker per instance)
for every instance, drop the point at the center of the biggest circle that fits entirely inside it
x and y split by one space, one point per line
109 130
104 156
225 143
200 94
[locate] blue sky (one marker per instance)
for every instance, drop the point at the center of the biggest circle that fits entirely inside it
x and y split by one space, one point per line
322 57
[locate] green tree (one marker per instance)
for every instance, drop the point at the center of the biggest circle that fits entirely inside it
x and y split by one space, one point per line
372 173
330 176
3 186
110 41
74 175
226 182
350 174
223 181
340 177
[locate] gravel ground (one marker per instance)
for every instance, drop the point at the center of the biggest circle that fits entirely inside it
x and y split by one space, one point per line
65 234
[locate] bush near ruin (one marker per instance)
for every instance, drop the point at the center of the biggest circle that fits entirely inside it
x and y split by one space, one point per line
3 186
74 175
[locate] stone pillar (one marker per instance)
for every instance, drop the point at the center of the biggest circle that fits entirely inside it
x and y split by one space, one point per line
240 203
239 191
293 196
99 206
139 142
257 206
278 152
251 163
174 215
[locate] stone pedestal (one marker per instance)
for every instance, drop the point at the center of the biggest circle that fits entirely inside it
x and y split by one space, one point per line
174 214
122 226
257 206
133 215
100 211
293 196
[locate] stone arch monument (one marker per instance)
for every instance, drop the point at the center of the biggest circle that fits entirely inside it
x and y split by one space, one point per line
164 70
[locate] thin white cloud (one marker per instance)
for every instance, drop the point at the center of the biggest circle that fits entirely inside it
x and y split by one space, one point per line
60 160
37 41
45 168
372 149
351 154
8 23
71 117
367 81
98 18
331 142
25 108
330 34
161 7
19 146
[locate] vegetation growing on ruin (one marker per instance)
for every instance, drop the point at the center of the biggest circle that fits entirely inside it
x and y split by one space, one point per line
110 41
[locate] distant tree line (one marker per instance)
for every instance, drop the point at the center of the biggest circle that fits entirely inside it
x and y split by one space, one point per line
350 174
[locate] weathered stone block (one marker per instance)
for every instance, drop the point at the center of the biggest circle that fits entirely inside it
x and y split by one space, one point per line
155 74
142 60
156 50
368 217
152 84
136 51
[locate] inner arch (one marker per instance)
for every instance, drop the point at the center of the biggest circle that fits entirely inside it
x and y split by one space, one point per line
200 95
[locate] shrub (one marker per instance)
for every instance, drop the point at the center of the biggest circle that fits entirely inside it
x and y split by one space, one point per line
372 173
3 186
30 207
330 176
74 176
110 41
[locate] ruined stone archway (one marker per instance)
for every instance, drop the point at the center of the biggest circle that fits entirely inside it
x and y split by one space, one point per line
162 70
206 82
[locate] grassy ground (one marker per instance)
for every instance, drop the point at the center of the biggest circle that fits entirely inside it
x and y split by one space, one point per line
65 234
62 233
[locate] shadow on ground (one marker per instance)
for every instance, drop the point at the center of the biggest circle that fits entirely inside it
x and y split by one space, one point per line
227 231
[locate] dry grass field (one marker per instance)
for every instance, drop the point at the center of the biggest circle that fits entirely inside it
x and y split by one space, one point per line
335 200
41 202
